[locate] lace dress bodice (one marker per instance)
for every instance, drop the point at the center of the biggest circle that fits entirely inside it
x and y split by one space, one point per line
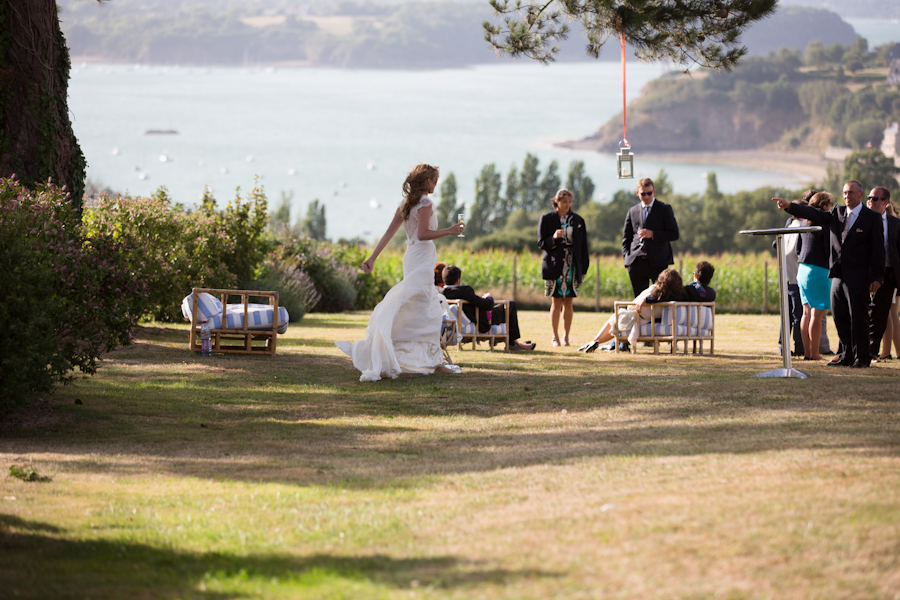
412 223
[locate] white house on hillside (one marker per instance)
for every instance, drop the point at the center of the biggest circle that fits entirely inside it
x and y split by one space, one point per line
889 145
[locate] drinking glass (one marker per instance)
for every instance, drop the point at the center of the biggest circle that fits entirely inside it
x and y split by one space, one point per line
460 218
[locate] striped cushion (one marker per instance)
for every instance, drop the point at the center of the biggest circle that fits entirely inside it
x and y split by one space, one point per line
259 316
207 304
666 315
705 333
662 329
704 321
467 327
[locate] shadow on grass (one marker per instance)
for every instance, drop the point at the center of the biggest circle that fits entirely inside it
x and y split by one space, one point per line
304 418
99 568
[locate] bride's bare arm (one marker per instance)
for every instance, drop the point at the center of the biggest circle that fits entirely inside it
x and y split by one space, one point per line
369 263
422 231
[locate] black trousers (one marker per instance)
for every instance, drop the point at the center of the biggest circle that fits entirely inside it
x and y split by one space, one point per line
850 307
795 306
498 317
879 314
642 275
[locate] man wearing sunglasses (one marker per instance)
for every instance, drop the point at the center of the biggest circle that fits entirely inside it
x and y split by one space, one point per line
877 201
650 227
857 268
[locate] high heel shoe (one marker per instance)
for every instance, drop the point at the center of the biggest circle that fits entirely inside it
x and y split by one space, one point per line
589 347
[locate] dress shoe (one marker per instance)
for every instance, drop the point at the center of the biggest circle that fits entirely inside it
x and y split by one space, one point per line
589 347
838 363
860 364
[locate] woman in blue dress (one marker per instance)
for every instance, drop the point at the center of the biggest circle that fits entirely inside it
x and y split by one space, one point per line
812 277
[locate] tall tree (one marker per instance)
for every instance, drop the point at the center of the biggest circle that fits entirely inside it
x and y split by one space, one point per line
481 216
313 225
512 189
577 182
705 32
550 183
529 189
36 138
448 208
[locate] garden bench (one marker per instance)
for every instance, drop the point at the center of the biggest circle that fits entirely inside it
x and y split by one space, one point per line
469 329
242 328
672 322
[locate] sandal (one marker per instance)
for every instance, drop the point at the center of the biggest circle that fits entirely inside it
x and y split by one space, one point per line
555 342
566 341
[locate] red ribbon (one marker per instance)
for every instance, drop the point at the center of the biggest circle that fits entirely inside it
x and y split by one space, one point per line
624 125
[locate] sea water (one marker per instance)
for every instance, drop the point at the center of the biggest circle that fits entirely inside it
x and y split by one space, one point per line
348 137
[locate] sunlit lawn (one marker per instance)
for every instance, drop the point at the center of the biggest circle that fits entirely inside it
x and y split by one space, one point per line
544 475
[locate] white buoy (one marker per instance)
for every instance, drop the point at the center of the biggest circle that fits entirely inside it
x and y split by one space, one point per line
249 158
371 166
343 184
116 151
223 170
142 176
292 171
374 203
163 158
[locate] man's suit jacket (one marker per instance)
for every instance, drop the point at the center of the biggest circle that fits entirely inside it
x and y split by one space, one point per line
859 259
660 220
465 292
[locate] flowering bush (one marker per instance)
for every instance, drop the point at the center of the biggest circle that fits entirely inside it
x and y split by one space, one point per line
173 250
66 297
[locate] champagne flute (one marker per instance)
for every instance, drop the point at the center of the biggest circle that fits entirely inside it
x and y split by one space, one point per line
459 219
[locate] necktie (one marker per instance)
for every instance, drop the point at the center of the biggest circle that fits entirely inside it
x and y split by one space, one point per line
646 212
849 224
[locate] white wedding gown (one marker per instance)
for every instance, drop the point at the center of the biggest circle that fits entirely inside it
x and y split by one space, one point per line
403 335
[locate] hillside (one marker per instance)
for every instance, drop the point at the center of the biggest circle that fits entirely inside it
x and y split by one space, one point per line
345 34
785 101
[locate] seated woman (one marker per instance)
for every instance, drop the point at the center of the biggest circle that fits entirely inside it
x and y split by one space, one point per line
668 287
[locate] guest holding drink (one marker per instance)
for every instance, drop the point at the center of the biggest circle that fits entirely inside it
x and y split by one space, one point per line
562 236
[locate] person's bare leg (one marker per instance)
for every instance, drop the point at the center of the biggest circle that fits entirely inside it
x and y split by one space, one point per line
815 332
568 313
804 333
555 308
891 335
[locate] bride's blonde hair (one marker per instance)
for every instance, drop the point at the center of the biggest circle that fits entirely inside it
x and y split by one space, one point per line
416 186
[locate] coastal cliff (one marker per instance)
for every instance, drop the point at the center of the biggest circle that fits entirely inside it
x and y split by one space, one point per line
668 118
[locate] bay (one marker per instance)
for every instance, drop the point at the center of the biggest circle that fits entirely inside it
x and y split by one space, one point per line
348 137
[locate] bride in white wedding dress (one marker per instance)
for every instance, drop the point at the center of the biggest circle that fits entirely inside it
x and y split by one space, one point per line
403 335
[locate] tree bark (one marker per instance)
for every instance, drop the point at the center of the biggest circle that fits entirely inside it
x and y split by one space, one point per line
37 143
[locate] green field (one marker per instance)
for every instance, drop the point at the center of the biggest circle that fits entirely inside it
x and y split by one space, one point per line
530 476
745 283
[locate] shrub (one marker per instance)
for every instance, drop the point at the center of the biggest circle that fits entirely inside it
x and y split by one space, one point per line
170 250
66 297
296 290
336 282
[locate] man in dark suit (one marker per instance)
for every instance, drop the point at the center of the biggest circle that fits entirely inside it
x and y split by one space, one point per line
650 228
877 201
856 267
452 290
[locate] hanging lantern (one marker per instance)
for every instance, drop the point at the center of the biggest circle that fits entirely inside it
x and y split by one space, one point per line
625 161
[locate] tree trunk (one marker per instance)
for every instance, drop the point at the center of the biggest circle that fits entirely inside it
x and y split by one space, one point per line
37 143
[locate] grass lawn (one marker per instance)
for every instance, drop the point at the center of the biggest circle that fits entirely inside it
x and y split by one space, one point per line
530 476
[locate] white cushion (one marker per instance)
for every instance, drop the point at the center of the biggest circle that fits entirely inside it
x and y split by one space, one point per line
207 304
